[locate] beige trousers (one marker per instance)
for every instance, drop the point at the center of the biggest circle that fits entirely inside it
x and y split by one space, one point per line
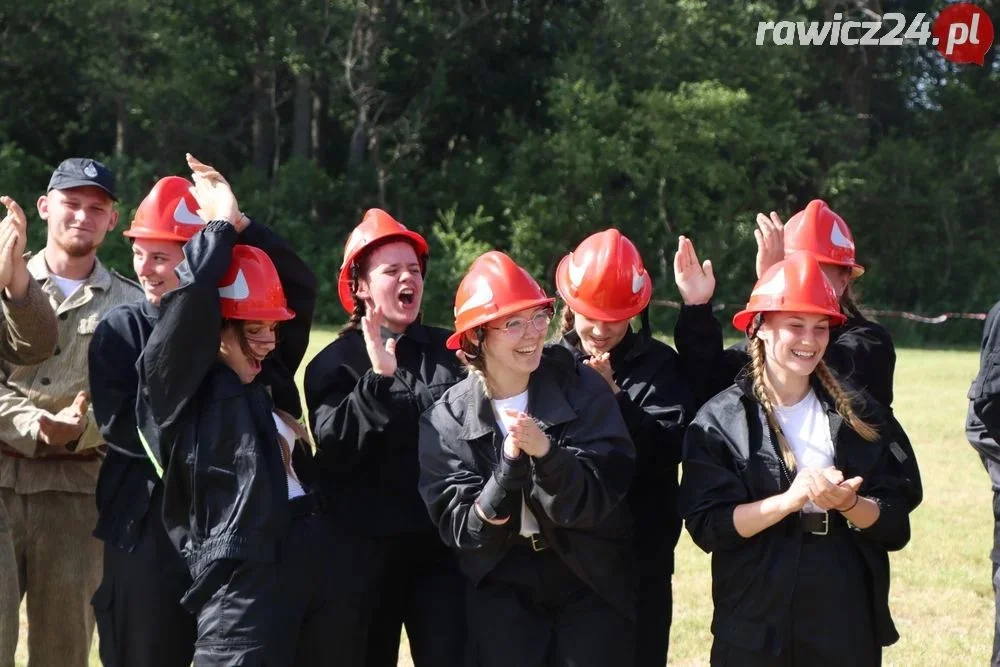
58 564
9 596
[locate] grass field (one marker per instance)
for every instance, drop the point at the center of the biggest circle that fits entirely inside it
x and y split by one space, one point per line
941 596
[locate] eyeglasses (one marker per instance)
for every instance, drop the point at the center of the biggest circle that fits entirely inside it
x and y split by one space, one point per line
516 327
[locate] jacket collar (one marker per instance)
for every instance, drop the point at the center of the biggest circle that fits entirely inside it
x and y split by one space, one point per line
547 404
99 279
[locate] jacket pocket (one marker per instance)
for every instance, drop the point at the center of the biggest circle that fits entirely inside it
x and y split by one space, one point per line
748 635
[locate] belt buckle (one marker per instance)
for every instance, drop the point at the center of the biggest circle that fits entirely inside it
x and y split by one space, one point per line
537 542
826 525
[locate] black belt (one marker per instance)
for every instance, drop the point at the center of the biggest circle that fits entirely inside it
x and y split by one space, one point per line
821 523
307 505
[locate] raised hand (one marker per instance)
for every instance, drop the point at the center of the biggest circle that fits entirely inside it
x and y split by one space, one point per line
382 354
695 281
8 239
13 268
215 196
770 235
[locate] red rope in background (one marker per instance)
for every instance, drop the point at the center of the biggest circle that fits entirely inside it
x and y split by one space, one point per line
923 319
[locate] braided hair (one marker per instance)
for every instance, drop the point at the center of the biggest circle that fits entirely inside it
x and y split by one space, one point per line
473 359
359 306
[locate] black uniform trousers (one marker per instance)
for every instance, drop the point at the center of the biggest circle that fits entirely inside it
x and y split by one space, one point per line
414 580
995 557
830 623
533 611
140 620
305 609
654 609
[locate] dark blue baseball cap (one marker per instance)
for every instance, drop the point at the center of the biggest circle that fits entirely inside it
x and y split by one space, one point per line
78 172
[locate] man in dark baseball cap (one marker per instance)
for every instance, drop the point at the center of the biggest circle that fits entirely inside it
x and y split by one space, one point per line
78 172
50 444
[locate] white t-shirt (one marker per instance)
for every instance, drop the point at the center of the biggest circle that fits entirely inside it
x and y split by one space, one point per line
66 285
286 433
807 429
529 524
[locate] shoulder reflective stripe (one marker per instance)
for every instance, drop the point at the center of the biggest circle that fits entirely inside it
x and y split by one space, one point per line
898 452
149 453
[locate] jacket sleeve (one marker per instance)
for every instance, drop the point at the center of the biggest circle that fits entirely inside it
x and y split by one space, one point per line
299 284
111 361
711 488
708 366
655 420
864 354
18 418
583 478
28 330
895 485
185 342
985 390
450 486
348 411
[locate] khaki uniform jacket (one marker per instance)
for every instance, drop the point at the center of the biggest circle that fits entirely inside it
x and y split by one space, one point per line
28 332
27 391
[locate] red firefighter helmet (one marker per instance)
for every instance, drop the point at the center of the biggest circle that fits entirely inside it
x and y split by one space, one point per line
794 285
604 278
494 287
168 213
251 288
819 230
376 227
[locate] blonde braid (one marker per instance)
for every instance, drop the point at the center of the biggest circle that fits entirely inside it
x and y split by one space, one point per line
566 320
760 391
843 401
472 357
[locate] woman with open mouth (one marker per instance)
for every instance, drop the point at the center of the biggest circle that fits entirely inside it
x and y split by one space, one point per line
365 392
604 285
798 488
524 466
237 497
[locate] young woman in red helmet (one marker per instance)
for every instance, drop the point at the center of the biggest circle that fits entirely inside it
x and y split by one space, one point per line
140 619
861 352
365 392
524 465
237 502
604 286
798 488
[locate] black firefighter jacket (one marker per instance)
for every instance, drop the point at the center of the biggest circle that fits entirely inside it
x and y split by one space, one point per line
127 478
365 426
225 490
861 353
731 458
575 491
657 404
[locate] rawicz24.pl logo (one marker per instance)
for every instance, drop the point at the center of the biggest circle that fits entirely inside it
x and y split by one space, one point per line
962 32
